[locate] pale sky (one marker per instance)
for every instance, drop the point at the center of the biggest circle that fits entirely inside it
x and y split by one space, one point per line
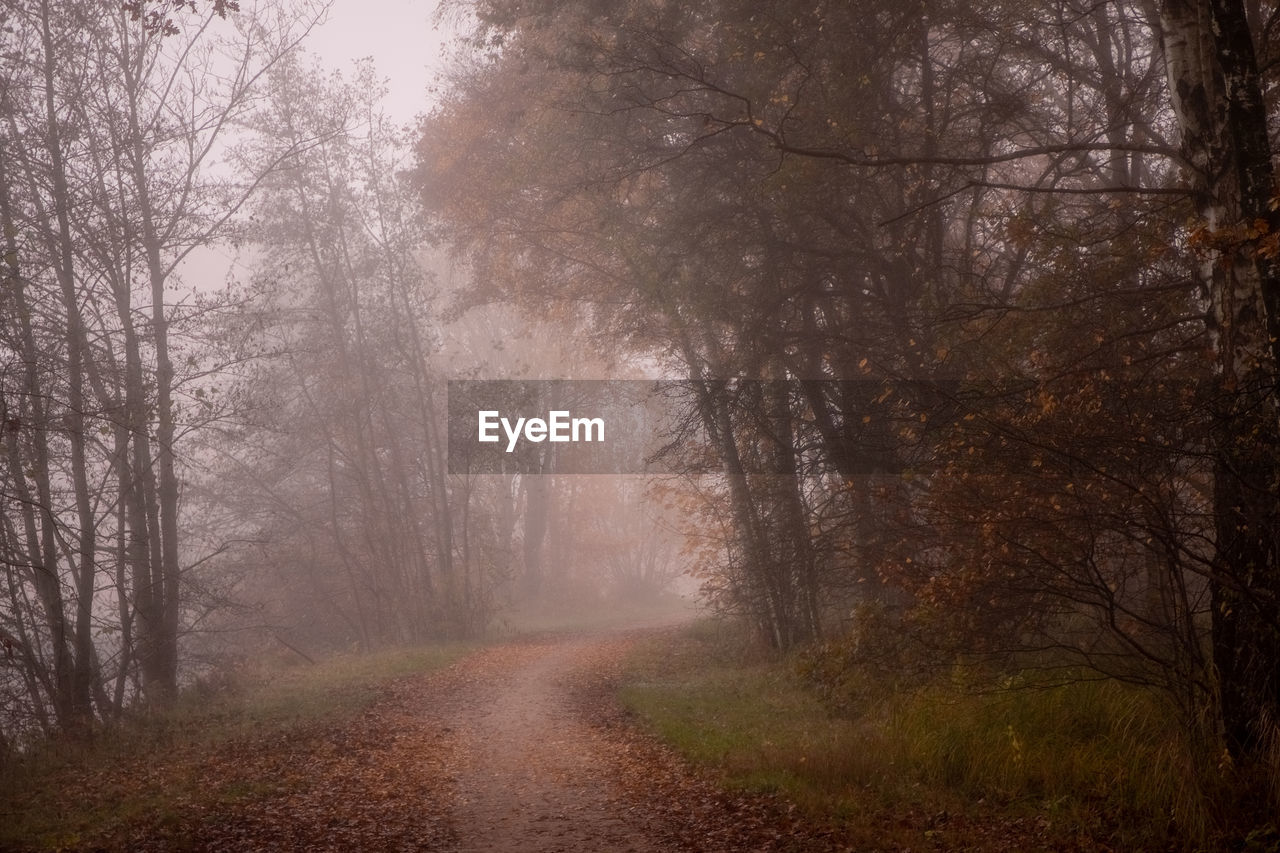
408 52
406 46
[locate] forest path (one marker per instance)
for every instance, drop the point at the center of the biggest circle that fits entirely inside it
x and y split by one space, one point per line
531 772
519 746
542 759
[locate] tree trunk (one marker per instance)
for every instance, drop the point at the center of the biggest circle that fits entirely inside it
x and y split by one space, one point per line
1216 95
84 564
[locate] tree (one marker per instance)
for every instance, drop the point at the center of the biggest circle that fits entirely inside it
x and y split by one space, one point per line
110 129
982 201
1216 90
346 307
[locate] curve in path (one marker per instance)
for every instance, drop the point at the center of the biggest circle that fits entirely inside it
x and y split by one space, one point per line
531 774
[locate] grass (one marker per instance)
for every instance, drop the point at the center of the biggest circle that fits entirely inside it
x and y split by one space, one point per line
1083 763
750 719
147 769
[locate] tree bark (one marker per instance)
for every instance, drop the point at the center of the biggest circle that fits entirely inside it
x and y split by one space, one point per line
1217 97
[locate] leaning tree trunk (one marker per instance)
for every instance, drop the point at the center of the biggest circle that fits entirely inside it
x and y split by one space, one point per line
1217 97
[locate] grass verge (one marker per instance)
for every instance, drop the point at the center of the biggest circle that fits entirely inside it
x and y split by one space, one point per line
1077 766
153 767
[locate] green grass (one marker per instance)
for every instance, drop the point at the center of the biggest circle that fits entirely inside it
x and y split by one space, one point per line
751 720
148 768
1097 760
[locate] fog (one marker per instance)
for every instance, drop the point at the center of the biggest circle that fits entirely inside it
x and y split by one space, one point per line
957 324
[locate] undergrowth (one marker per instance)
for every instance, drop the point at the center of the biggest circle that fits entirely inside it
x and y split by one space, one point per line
1085 764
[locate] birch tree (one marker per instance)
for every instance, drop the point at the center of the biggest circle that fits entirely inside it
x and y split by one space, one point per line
1216 89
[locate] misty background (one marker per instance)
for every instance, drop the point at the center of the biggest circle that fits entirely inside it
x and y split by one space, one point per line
975 307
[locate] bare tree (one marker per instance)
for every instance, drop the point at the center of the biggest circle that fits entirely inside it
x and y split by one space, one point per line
111 129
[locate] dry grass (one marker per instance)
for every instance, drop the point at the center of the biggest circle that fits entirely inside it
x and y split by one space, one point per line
1080 765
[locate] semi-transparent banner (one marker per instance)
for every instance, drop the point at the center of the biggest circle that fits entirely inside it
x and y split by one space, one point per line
786 426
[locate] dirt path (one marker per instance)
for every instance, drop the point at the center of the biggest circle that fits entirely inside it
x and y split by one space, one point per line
516 747
543 759
530 773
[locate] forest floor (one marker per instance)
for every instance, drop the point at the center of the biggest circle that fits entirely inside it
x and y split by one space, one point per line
521 746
